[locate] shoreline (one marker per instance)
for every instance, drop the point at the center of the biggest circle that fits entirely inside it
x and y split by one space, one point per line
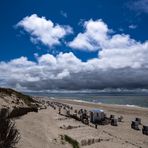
122 105
123 109
98 103
134 101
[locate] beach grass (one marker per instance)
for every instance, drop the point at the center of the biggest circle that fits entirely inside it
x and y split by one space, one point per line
9 135
73 142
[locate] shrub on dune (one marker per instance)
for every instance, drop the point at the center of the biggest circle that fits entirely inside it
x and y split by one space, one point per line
9 135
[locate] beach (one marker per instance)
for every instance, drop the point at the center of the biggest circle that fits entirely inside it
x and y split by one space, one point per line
74 74
45 128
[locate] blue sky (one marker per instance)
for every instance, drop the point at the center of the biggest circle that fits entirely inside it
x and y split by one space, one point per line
115 13
76 22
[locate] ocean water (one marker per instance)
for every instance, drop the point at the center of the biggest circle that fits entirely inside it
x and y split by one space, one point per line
119 99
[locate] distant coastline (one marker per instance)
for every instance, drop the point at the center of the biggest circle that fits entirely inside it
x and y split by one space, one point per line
126 99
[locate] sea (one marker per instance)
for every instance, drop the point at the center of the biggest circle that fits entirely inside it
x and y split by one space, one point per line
131 100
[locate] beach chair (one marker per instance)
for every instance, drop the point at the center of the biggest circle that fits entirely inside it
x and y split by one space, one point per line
138 120
75 111
59 110
145 130
112 116
120 119
114 122
68 112
135 125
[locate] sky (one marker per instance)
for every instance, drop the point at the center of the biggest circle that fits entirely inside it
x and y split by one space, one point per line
73 45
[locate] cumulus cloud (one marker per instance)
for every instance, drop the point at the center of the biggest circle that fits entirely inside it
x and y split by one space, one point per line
115 51
97 36
95 32
66 71
121 63
43 30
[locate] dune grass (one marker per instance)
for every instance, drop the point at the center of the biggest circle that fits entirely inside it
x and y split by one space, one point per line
73 142
9 135
27 99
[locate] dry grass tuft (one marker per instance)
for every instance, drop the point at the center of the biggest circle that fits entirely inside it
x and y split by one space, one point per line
9 135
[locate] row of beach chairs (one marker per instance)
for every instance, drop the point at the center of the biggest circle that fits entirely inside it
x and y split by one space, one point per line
135 125
84 117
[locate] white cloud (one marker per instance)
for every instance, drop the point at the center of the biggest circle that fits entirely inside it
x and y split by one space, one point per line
114 51
64 74
97 36
132 26
43 30
113 69
121 63
47 59
95 32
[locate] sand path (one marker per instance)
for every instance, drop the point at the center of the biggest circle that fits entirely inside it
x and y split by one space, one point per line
39 130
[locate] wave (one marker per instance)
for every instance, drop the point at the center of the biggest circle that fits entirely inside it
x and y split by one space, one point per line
124 105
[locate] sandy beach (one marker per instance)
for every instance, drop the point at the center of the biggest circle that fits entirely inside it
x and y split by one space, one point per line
44 129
